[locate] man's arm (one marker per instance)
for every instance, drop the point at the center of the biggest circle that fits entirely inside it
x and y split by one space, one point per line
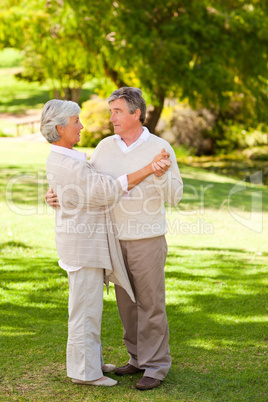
170 186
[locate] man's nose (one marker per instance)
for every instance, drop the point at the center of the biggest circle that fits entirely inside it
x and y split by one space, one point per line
112 118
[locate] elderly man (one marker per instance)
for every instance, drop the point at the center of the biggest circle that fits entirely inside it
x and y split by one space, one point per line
141 226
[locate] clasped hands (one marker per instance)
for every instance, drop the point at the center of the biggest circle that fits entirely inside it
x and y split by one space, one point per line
161 163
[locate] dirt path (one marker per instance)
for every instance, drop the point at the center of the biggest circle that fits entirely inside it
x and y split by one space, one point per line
30 114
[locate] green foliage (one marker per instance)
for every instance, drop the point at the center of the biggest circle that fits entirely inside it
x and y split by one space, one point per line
203 52
190 50
229 135
53 54
95 117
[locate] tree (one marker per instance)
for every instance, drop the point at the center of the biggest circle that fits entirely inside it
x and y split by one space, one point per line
52 53
206 52
201 51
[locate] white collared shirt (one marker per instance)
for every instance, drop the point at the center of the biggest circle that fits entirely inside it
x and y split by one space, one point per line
142 138
73 153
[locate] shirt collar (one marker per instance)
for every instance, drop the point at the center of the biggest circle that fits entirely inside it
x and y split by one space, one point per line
72 153
144 135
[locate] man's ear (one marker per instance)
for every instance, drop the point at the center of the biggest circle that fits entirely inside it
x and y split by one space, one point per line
137 114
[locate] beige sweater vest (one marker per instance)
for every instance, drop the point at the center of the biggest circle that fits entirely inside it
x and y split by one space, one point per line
142 215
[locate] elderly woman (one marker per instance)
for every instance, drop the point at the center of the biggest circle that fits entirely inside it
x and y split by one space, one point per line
85 239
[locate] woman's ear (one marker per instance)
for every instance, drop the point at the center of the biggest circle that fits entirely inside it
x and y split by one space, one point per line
59 129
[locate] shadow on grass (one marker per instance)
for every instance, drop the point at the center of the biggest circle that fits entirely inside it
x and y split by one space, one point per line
22 185
222 267
13 244
34 310
220 348
19 104
211 194
218 324
240 169
215 332
219 376
40 281
226 288
217 249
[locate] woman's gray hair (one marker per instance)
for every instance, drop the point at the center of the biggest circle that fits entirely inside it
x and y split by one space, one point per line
57 112
133 98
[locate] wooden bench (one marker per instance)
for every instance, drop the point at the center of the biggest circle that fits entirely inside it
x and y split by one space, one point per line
27 122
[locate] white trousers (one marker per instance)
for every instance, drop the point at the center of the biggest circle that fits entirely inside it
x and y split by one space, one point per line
84 357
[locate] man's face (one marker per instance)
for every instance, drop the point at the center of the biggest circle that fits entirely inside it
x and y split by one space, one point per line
123 121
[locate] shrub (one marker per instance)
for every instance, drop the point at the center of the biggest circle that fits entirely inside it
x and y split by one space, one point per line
232 135
181 125
206 132
95 117
257 153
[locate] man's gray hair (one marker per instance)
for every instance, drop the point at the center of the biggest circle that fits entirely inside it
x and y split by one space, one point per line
57 112
133 98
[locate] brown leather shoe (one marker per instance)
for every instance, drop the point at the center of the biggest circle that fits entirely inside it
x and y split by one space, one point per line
127 370
146 383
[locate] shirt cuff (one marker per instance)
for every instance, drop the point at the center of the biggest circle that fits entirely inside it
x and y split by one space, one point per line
124 183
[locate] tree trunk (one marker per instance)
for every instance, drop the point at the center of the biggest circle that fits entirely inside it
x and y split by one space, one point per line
114 76
154 113
76 92
67 93
57 94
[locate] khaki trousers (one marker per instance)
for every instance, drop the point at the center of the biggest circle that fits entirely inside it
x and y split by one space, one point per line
84 357
145 322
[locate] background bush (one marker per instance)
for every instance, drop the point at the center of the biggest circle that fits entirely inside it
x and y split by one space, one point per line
207 132
181 125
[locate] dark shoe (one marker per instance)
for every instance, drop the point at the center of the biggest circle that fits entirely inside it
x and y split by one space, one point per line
146 383
127 370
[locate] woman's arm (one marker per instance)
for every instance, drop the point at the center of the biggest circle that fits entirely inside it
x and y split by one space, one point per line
52 199
160 164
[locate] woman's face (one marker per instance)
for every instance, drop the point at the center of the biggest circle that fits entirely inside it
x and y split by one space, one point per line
70 134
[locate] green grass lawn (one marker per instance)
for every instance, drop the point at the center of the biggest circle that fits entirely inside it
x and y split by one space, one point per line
216 281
